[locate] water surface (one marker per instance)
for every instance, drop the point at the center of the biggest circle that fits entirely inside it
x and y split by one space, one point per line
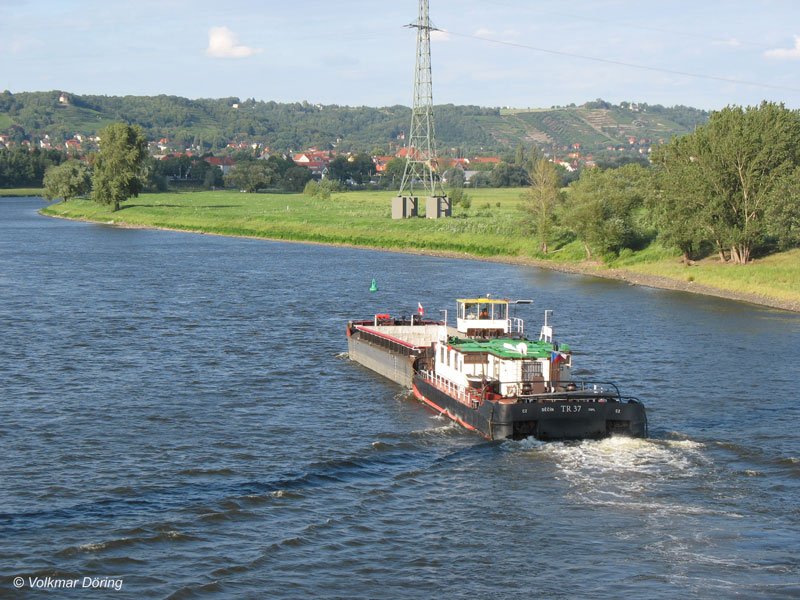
178 412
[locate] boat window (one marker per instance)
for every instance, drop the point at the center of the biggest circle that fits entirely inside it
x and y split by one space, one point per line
500 311
471 310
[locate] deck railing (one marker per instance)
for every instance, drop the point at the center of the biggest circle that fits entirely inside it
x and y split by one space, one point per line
468 396
516 325
570 391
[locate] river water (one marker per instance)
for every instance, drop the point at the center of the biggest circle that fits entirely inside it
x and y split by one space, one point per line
179 418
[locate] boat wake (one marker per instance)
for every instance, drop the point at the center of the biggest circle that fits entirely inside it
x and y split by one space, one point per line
624 472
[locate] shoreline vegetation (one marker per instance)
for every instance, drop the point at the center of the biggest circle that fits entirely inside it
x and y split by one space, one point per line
489 230
20 192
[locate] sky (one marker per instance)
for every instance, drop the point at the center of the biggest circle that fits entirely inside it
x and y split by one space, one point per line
516 53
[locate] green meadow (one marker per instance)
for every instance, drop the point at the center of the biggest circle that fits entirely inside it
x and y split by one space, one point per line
491 228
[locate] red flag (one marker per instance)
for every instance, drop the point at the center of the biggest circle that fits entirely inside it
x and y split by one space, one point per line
420 310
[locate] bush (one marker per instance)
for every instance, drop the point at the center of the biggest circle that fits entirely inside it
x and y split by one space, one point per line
322 189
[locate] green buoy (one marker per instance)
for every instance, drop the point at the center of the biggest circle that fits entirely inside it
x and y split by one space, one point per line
374 286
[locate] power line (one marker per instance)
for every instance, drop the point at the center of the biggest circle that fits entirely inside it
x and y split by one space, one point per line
633 25
622 63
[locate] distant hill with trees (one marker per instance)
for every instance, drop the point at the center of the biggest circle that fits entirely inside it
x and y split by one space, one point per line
211 124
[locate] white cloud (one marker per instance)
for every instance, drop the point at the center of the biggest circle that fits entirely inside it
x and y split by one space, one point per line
437 35
786 53
222 43
483 32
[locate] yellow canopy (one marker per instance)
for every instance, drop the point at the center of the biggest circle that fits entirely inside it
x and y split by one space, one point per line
481 301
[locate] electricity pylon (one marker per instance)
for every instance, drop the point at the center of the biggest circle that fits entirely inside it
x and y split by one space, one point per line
421 162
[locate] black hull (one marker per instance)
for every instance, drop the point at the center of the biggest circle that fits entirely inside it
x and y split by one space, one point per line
550 420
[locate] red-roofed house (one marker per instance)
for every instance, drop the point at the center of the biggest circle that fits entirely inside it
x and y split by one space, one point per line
381 162
486 160
224 163
407 152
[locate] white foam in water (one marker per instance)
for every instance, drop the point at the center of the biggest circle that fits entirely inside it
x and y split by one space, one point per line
625 455
623 471
448 428
93 547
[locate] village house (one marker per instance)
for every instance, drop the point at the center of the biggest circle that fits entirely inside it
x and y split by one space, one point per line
486 160
224 163
314 160
381 162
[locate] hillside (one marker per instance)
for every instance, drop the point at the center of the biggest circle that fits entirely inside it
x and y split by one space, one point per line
213 123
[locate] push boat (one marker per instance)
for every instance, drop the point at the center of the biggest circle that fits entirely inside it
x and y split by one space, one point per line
486 375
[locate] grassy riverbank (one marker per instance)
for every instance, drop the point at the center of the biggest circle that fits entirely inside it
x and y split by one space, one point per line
488 229
19 192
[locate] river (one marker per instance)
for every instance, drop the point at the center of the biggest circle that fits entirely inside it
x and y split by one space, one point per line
179 418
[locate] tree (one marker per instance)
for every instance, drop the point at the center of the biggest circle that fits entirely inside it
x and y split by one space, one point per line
358 168
250 175
743 165
506 175
540 200
602 208
361 168
339 169
394 172
23 167
678 208
295 179
118 166
213 178
480 180
783 211
68 180
455 177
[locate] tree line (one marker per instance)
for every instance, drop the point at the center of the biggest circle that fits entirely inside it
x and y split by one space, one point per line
21 167
731 188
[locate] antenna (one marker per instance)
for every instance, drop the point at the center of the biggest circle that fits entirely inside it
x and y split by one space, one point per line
419 174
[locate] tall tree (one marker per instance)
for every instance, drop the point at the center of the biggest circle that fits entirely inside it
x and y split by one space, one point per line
119 165
541 199
783 211
741 157
602 207
678 206
68 180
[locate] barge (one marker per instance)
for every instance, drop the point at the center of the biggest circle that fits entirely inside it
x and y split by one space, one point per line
486 375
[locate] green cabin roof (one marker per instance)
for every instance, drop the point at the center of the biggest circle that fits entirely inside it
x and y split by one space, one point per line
497 346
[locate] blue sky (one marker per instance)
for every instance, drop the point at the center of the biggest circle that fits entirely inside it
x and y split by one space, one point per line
499 53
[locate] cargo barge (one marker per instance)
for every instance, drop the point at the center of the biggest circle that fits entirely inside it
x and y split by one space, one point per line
486 375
